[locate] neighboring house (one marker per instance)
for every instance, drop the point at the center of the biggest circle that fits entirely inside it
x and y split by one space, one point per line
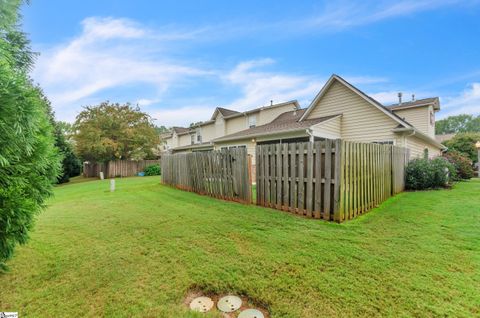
222 122
444 137
340 110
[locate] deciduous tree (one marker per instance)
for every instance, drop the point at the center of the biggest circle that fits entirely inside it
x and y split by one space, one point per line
113 131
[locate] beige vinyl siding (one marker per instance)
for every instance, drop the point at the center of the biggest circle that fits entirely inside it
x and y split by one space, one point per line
417 147
219 126
208 132
419 117
265 116
246 142
184 140
171 142
431 127
328 129
361 121
236 124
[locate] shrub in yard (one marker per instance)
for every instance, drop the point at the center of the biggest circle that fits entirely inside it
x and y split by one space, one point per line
463 164
153 170
29 161
429 174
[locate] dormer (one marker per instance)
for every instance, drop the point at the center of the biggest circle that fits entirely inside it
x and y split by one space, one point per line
419 113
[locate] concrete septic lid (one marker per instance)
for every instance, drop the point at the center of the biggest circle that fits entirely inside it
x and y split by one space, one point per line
201 304
251 313
229 303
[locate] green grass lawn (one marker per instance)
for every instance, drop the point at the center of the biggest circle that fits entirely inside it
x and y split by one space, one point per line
136 253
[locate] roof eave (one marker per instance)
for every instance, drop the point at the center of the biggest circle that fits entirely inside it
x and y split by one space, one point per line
261 134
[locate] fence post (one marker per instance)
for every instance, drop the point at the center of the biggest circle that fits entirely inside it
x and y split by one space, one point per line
339 196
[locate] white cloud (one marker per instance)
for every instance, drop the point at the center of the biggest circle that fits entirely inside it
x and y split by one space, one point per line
467 102
109 53
182 116
260 87
344 14
146 101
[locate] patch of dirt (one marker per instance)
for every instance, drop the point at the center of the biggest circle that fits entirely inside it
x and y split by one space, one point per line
246 302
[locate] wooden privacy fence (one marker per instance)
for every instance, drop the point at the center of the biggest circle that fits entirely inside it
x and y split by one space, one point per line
330 179
116 168
370 174
223 174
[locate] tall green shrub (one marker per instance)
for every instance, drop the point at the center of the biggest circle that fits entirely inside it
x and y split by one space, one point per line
424 174
463 164
152 170
29 160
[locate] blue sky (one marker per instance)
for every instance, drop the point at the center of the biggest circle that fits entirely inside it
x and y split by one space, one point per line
179 60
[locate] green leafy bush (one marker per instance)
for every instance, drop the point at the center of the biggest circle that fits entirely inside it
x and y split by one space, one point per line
29 160
424 174
153 170
465 144
463 164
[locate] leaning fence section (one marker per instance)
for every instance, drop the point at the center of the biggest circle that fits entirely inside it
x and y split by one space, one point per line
333 180
223 174
116 168
301 178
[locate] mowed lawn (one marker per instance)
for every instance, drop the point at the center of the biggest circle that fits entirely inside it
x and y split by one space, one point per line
138 251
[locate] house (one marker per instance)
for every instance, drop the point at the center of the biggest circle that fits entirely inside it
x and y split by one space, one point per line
444 137
222 122
339 110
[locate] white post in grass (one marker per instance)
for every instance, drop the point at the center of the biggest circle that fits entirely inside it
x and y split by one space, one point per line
478 158
112 185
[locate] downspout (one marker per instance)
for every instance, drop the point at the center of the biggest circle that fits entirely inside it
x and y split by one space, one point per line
310 134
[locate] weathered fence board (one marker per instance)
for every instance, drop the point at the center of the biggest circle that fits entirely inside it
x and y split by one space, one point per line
221 174
289 177
116 168
331 179
369 174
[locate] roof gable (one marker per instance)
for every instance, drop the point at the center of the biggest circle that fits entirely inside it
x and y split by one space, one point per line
224 112
335 78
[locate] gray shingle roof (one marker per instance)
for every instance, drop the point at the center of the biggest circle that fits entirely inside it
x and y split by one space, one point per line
286 122
419 102
180 130
227 112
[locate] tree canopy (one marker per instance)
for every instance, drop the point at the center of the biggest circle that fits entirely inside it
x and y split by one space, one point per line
465 144
456 124
29 160
113 131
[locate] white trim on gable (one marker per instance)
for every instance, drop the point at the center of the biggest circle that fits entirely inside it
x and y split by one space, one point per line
368 99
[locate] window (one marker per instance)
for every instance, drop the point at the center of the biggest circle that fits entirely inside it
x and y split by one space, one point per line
432 118
252 121
199 135
192 139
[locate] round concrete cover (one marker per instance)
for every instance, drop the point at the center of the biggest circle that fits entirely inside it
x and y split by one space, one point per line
251 313
201 304
229 303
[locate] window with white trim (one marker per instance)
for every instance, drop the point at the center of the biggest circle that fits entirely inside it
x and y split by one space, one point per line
252 121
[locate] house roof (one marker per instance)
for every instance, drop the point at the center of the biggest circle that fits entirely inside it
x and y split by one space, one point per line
205 145
285 122
434 101
369 99
444 137
180 130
